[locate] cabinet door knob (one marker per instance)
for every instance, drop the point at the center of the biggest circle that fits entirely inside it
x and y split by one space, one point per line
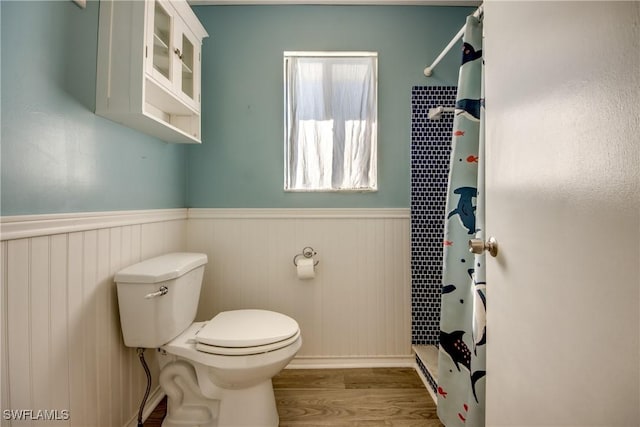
177 52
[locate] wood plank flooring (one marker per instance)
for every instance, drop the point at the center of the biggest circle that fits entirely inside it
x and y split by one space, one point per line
347 397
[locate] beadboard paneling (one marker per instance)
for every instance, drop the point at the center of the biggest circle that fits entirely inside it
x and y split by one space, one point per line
359 303
61 337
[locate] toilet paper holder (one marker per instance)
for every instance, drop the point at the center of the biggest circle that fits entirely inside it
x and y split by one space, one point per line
307 252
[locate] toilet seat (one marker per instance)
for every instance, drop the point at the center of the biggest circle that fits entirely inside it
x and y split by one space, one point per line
244 332
245 351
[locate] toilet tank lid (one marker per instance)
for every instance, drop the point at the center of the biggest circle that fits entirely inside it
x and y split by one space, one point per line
161 268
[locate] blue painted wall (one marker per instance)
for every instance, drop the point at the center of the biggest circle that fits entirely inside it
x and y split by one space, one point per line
240 163
57 155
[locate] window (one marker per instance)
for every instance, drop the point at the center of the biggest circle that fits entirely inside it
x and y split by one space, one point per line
330 121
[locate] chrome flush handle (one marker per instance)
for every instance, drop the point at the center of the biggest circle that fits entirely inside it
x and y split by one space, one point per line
160 292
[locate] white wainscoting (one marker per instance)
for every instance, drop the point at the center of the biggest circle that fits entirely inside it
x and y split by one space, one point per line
61 341
355 312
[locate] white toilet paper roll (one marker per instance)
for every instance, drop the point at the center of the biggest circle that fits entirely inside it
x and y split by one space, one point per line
305 268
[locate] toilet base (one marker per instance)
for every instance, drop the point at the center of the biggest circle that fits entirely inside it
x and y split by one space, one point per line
187 406
249 407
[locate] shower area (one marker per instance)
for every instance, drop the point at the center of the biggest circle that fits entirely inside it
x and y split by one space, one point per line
431 132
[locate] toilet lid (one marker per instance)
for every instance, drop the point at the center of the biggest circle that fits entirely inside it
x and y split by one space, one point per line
247 328
246 351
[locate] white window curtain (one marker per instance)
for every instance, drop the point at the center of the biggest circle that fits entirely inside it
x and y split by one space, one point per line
331 122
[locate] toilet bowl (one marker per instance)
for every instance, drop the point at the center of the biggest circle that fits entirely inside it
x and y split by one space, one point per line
215 373
238 376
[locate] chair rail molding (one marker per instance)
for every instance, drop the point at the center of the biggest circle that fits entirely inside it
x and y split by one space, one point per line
25 226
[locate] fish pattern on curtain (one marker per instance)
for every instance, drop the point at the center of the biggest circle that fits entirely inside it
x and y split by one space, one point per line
461 359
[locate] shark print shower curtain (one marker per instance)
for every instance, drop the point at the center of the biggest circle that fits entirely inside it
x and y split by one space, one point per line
461 360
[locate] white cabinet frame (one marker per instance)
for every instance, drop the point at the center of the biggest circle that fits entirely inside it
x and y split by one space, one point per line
129 90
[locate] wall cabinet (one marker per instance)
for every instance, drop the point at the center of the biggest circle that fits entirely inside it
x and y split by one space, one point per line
148 71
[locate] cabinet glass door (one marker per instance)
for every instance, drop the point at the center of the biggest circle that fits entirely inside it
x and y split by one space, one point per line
161 41
188 66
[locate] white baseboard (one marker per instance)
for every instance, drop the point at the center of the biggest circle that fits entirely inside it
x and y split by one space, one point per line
310 362
154 399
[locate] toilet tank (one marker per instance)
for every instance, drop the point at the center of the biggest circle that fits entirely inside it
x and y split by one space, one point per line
151 316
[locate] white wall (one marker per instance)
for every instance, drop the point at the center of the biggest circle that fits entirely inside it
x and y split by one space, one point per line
61 340
357 308
563 200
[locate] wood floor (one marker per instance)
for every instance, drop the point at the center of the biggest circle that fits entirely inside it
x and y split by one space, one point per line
347 397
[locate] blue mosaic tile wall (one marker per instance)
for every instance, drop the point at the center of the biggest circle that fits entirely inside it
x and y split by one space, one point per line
430 151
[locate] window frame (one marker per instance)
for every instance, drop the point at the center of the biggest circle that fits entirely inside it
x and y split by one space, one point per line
287 119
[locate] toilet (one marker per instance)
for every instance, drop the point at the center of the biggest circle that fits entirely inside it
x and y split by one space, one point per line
215 373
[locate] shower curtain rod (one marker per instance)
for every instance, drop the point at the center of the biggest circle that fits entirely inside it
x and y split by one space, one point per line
429 70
